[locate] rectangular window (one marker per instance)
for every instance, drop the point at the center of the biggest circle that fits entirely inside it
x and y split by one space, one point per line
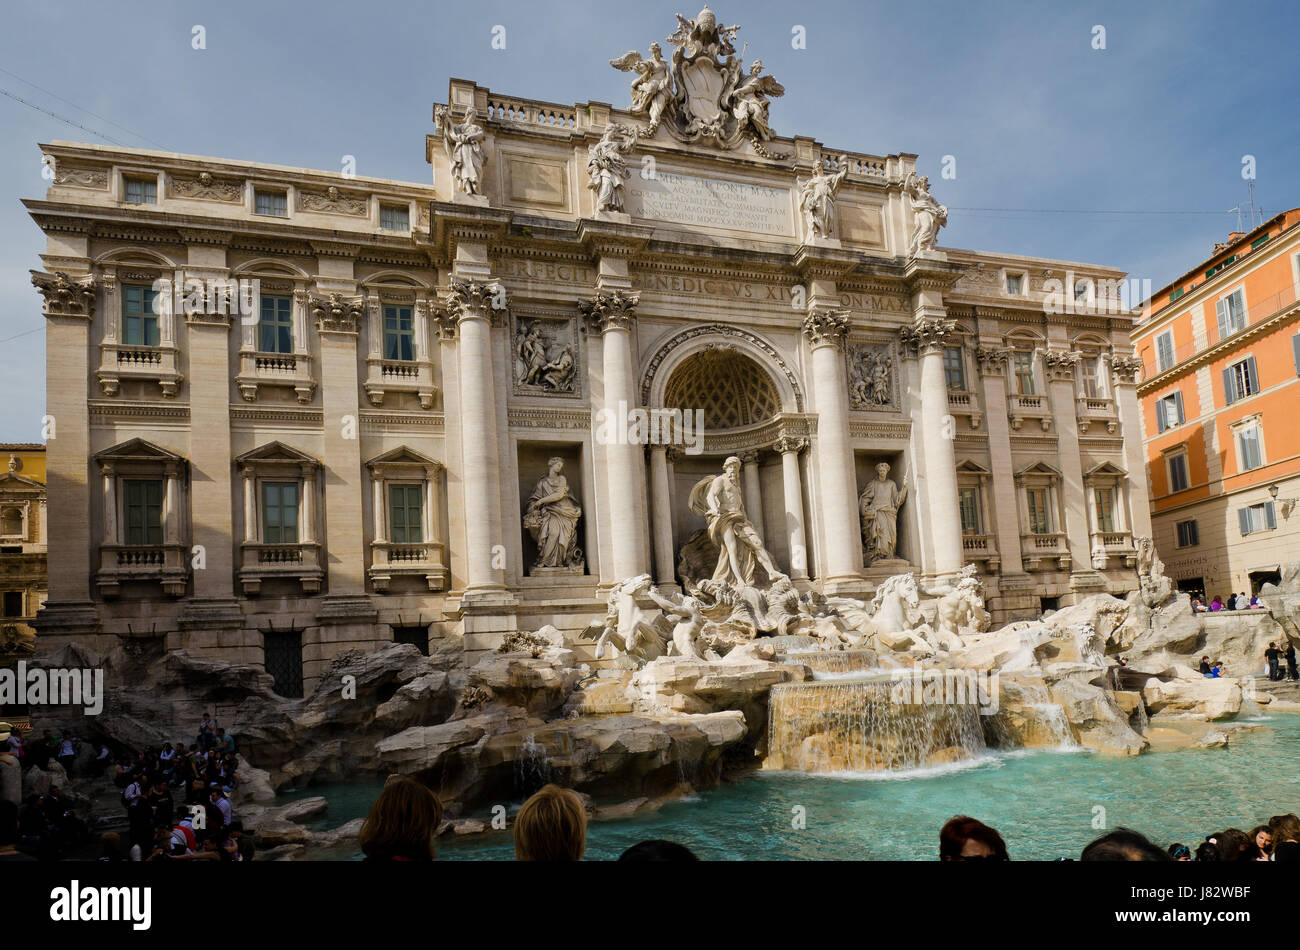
142 510
1014 283
399 333
1105 498
416 636
1090 377
1023 363
1250 448
1189 534
1177 464
142 191
139 315
1164 351
13 603
275 203
1231 312
1240 380
282 657
1169 411
969 500
1040 521
1257 518
280 512
394 218
1295 352
405 519
275 328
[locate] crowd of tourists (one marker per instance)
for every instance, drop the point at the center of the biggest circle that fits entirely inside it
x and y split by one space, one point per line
176 799
552 826
1234 602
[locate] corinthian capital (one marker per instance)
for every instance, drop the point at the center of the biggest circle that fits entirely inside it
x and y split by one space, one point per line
66 296
610 310
1060 363
467 299
993 359
928 334
336 313
826 328
1125 369
790 444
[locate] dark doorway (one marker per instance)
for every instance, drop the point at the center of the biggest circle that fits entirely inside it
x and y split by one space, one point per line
1192 586
1049 603
1268 576
418 637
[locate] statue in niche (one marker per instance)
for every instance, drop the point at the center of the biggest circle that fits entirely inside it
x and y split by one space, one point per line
748 100
719 500
871 374
542 361
652 90
878 507
928 214
464 144
817 200
607 168
552 519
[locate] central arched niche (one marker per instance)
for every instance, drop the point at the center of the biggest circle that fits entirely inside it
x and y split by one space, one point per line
732 390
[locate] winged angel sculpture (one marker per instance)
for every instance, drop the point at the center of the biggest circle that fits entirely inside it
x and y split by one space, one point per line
698 94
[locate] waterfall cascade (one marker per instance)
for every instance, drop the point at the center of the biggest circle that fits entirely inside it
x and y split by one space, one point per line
867 723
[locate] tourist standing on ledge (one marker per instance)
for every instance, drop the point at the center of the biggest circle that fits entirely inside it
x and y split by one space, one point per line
1274 656
1292 672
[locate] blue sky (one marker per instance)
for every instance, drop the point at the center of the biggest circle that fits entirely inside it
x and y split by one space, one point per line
1036 118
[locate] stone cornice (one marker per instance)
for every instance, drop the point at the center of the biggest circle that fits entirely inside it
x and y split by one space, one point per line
1212 353
334 249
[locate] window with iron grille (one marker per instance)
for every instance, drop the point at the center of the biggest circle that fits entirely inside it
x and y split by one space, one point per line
282 657
417 636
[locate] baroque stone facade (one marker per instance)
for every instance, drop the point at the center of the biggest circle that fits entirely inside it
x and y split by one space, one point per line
346 453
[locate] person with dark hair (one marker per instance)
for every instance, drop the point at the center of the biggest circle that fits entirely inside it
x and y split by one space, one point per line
1233 845
1260 846
1274 657
1208 850
656 849
551 826
1180 852
402 822
1205 666
964 838
1292 672
1123 844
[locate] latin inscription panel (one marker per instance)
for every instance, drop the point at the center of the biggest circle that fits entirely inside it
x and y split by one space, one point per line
711 203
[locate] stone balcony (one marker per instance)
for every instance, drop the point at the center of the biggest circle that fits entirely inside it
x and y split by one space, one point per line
275 369
1098 410
118 361
1118 547
295 562
981 547
1020 408
390 559
1045 552
166 564
965 404
407 376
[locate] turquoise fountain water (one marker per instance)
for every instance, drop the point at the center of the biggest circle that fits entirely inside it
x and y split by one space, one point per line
1045 804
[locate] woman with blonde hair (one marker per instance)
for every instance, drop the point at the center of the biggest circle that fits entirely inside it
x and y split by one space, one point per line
552 826
402 822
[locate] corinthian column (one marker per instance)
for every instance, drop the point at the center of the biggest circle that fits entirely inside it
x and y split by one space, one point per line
837 479
927 336
611 314
793 495
753 490
662 513
469 306
1123 371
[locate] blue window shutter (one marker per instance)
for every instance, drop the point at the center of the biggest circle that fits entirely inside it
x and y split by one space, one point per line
1162 422
1243 520
1270 517
1178 401
1229 394
1250 371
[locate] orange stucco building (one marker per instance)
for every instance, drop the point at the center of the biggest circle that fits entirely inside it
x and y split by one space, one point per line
1220 398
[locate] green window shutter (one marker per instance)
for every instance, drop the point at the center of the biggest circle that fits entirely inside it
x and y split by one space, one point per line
1229 390
1178 403
1243 521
